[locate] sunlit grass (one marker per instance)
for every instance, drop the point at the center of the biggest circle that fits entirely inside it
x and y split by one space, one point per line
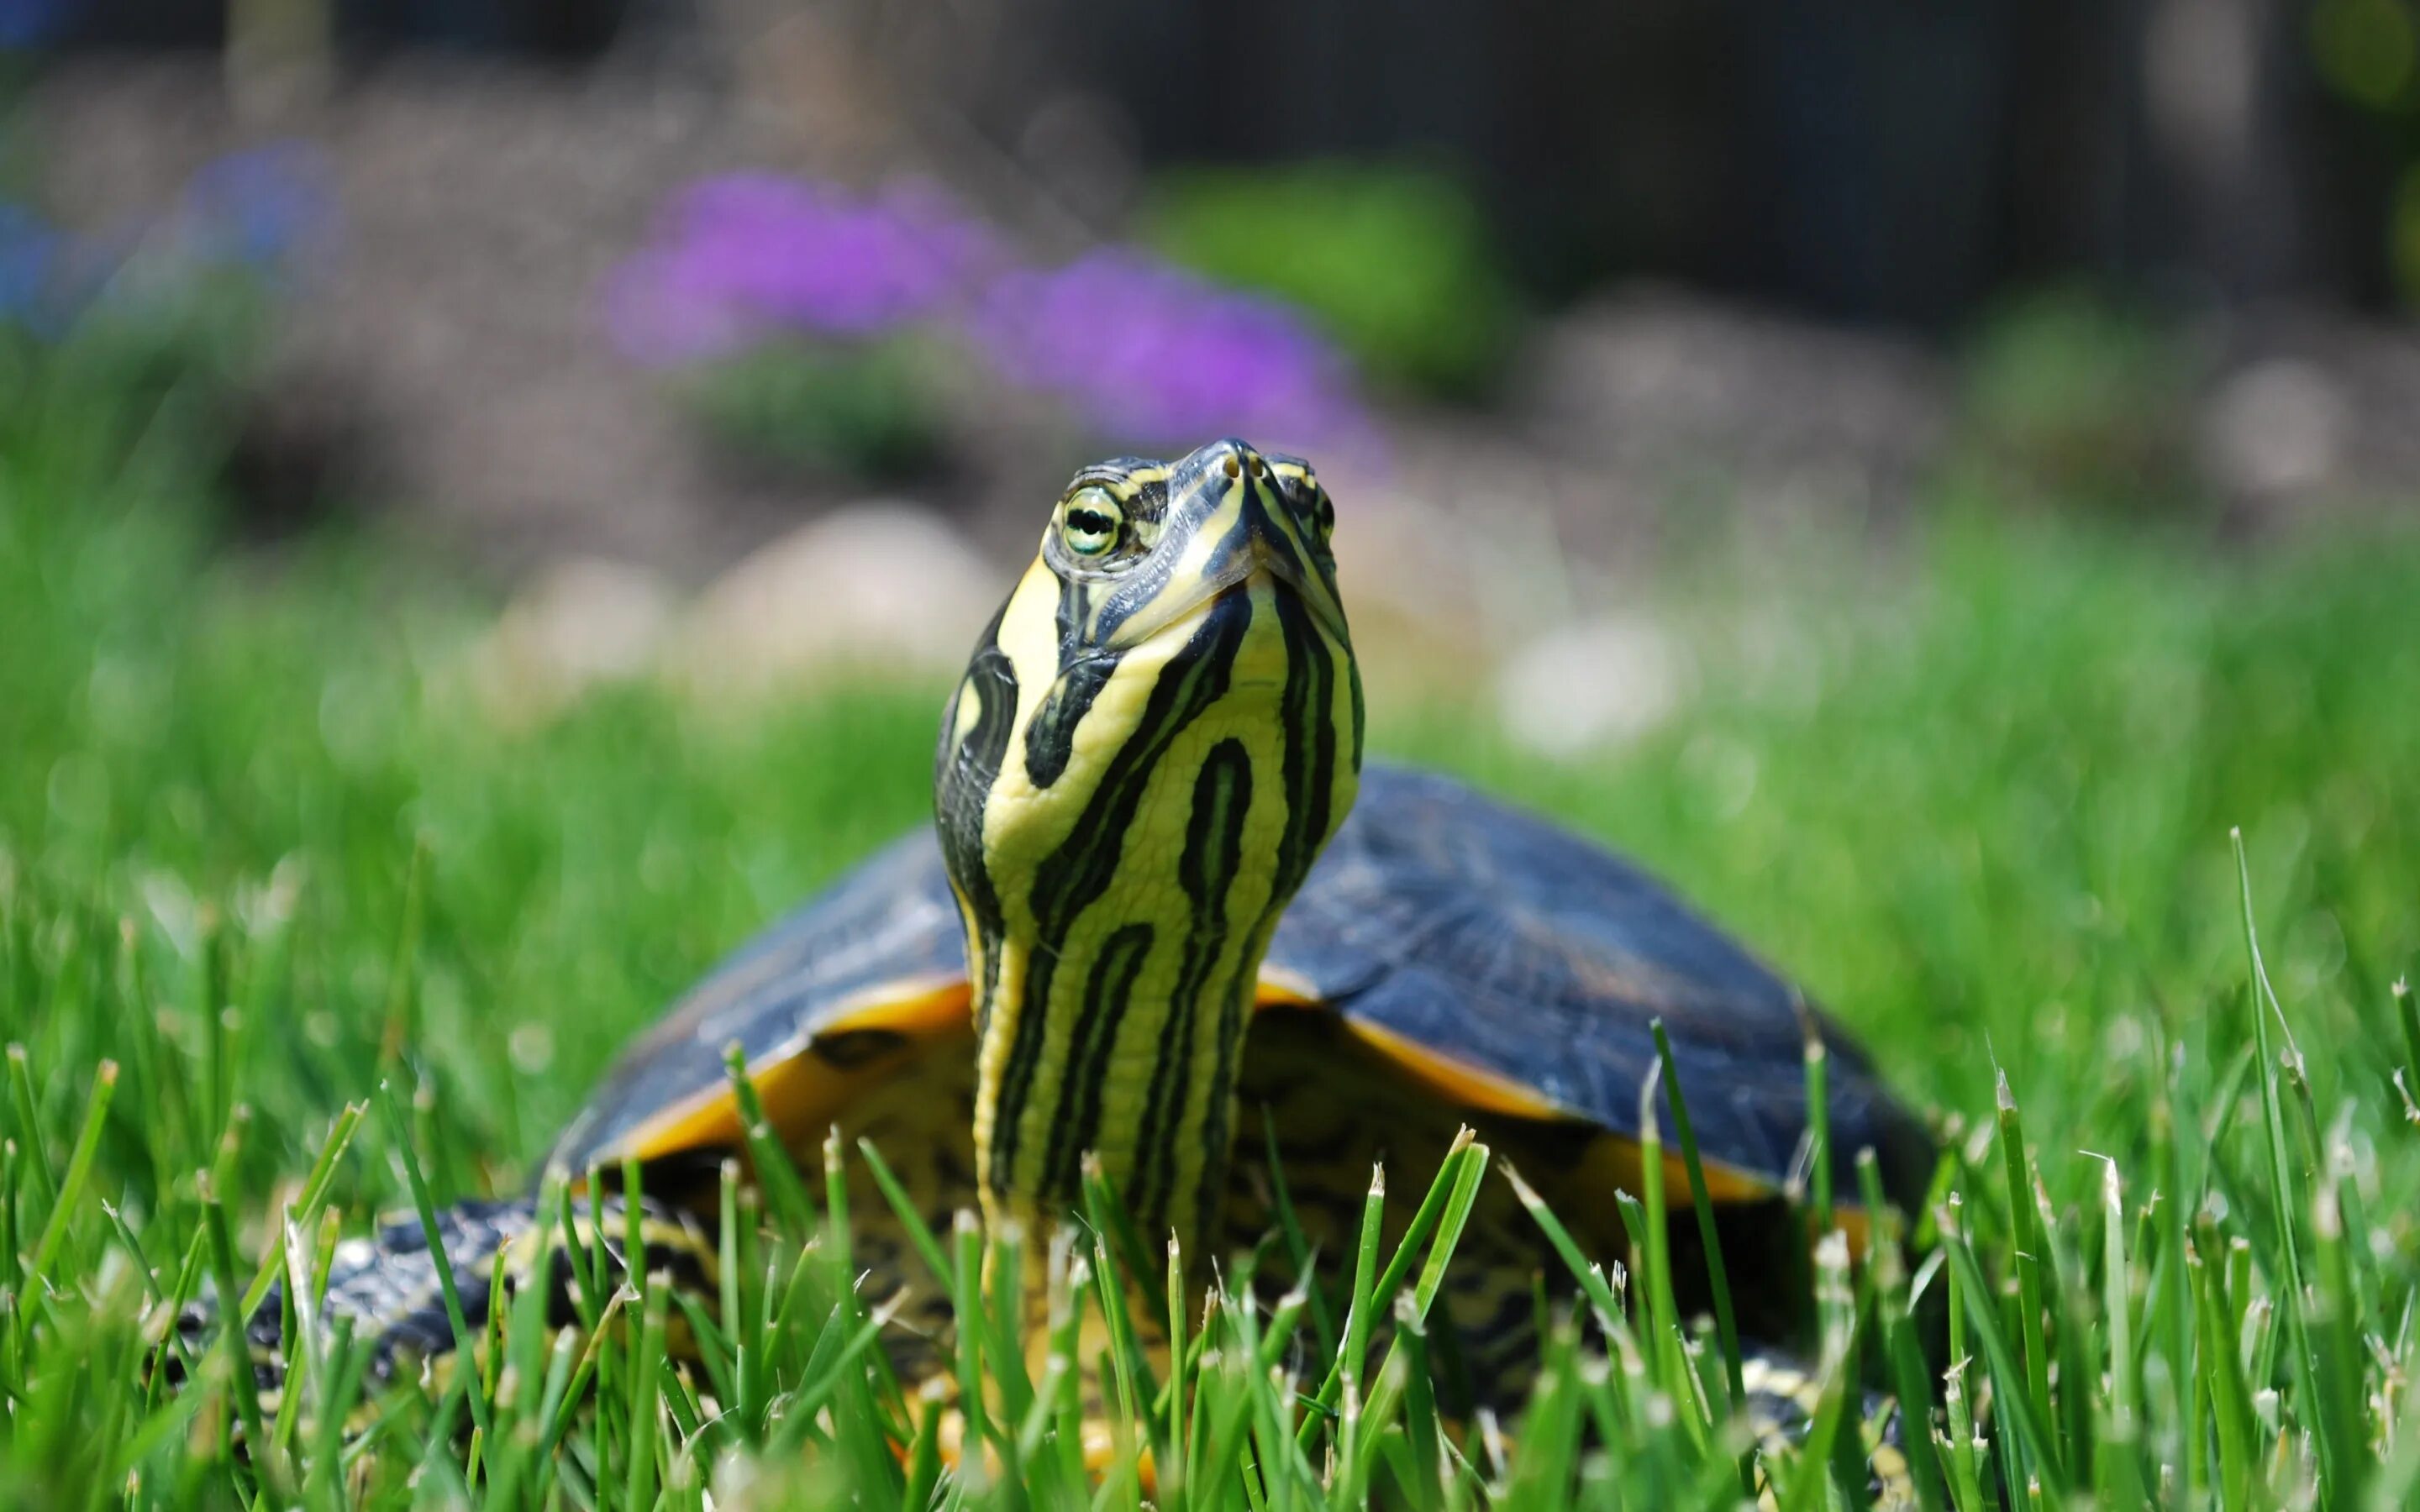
290 926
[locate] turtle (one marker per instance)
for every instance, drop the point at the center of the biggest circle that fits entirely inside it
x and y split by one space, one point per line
1169 927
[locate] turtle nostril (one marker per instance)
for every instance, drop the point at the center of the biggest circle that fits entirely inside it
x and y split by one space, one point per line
1234 466
1260 468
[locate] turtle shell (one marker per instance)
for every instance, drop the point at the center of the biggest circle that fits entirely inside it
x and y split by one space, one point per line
1502 962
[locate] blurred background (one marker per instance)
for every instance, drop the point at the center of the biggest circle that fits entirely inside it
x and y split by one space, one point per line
1917 470
654 310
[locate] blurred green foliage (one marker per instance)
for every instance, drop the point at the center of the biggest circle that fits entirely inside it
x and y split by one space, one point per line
2365 50
2368 53
862 411
154 385
1394 261
2072 397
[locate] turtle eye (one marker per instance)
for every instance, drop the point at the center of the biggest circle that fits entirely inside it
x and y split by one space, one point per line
1090 521
1323 516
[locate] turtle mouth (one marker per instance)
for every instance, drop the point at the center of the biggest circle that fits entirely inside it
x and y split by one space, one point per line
1264 561
1274 559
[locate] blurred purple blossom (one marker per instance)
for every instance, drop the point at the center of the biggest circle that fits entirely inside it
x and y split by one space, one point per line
256 213
1152 354
1144 352
264 207
25 23
29 252
749 255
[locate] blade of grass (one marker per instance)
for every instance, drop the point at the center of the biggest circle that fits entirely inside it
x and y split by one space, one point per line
1666 1345
920 1233
1816 1057
29 1128
2263 1004
2033 1431
399 1136
2222 1369
2026 1251
241 1382
1289 1225
2116 1457
776 1172
312 1196
1719 1280
1407 1249
2407 1011
96 1111
643 1406
1887 1263
1365 1276
1387 1398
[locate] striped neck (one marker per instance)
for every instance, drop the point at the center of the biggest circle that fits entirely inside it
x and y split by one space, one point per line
1124 822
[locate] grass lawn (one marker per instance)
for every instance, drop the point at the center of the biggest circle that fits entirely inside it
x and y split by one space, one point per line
1980 803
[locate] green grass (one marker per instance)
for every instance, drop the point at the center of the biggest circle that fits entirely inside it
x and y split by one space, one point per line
263 854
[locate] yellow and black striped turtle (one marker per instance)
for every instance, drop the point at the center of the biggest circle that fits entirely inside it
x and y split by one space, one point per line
1163 902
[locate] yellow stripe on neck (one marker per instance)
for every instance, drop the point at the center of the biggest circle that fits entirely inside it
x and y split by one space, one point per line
1184 740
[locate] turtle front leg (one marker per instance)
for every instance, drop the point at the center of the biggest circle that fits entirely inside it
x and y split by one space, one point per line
385 1287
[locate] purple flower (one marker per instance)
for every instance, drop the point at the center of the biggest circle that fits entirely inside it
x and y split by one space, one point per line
25 23
263 208
751 255
1145 354
1152 355
254 212
29 255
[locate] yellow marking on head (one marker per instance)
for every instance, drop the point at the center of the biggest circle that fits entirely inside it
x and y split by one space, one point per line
1129 484
965 711
1182 601
802 1093
1029 637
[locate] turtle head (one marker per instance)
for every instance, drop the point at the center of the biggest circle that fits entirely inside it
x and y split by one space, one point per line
1134 547
1156 737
